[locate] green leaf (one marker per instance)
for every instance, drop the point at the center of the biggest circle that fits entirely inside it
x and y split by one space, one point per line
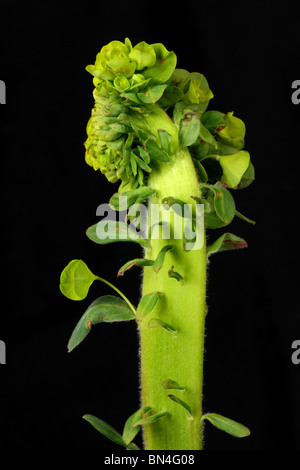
213 120
165 139
224 203
157 265
143 54
171 96
152 94
206 136
147 303
180 207
189 128
106 429
76 279
234 132
171 384
174 274
151 419
104 309
130 430
164 67
234 166
226 242
182 403
156 152
134 262
247 177
227 425
155 322
118 201
114 232
201 172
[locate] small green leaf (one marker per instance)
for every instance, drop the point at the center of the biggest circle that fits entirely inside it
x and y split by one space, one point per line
130 431
104 428
174 274
234 132
118 201
247 177
111 231
151 419
76 279
180 207
152 94
154 322
234 166
164 67
155 151
182 403
226 242
147 303
143 54
201 172
189 128
165 139
171 384
206 136
224 203
213 120
134 262
157 265
227 425
104 309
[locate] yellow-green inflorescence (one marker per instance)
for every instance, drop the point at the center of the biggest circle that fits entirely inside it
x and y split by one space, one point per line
146 108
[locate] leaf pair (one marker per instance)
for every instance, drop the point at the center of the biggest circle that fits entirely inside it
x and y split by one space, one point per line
156 264
145 415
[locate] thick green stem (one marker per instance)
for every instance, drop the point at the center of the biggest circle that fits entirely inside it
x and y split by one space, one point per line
165 355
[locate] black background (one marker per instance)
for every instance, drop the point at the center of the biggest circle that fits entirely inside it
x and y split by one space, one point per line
249 52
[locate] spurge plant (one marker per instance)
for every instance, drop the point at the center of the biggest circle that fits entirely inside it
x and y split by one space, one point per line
150 132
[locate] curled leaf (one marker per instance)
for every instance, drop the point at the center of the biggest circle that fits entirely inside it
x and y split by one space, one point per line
182 403
123 200
109 231
174 274
157 265
154 322
134 262
226 242
104 309
147 303
171 384
151 419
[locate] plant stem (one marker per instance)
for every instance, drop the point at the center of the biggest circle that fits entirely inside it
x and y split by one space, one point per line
182 305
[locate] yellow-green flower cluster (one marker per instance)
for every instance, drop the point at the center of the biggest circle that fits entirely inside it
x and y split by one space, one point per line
127 79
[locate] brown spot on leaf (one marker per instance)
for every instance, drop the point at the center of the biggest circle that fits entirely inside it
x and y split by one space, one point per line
89 324
238 244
